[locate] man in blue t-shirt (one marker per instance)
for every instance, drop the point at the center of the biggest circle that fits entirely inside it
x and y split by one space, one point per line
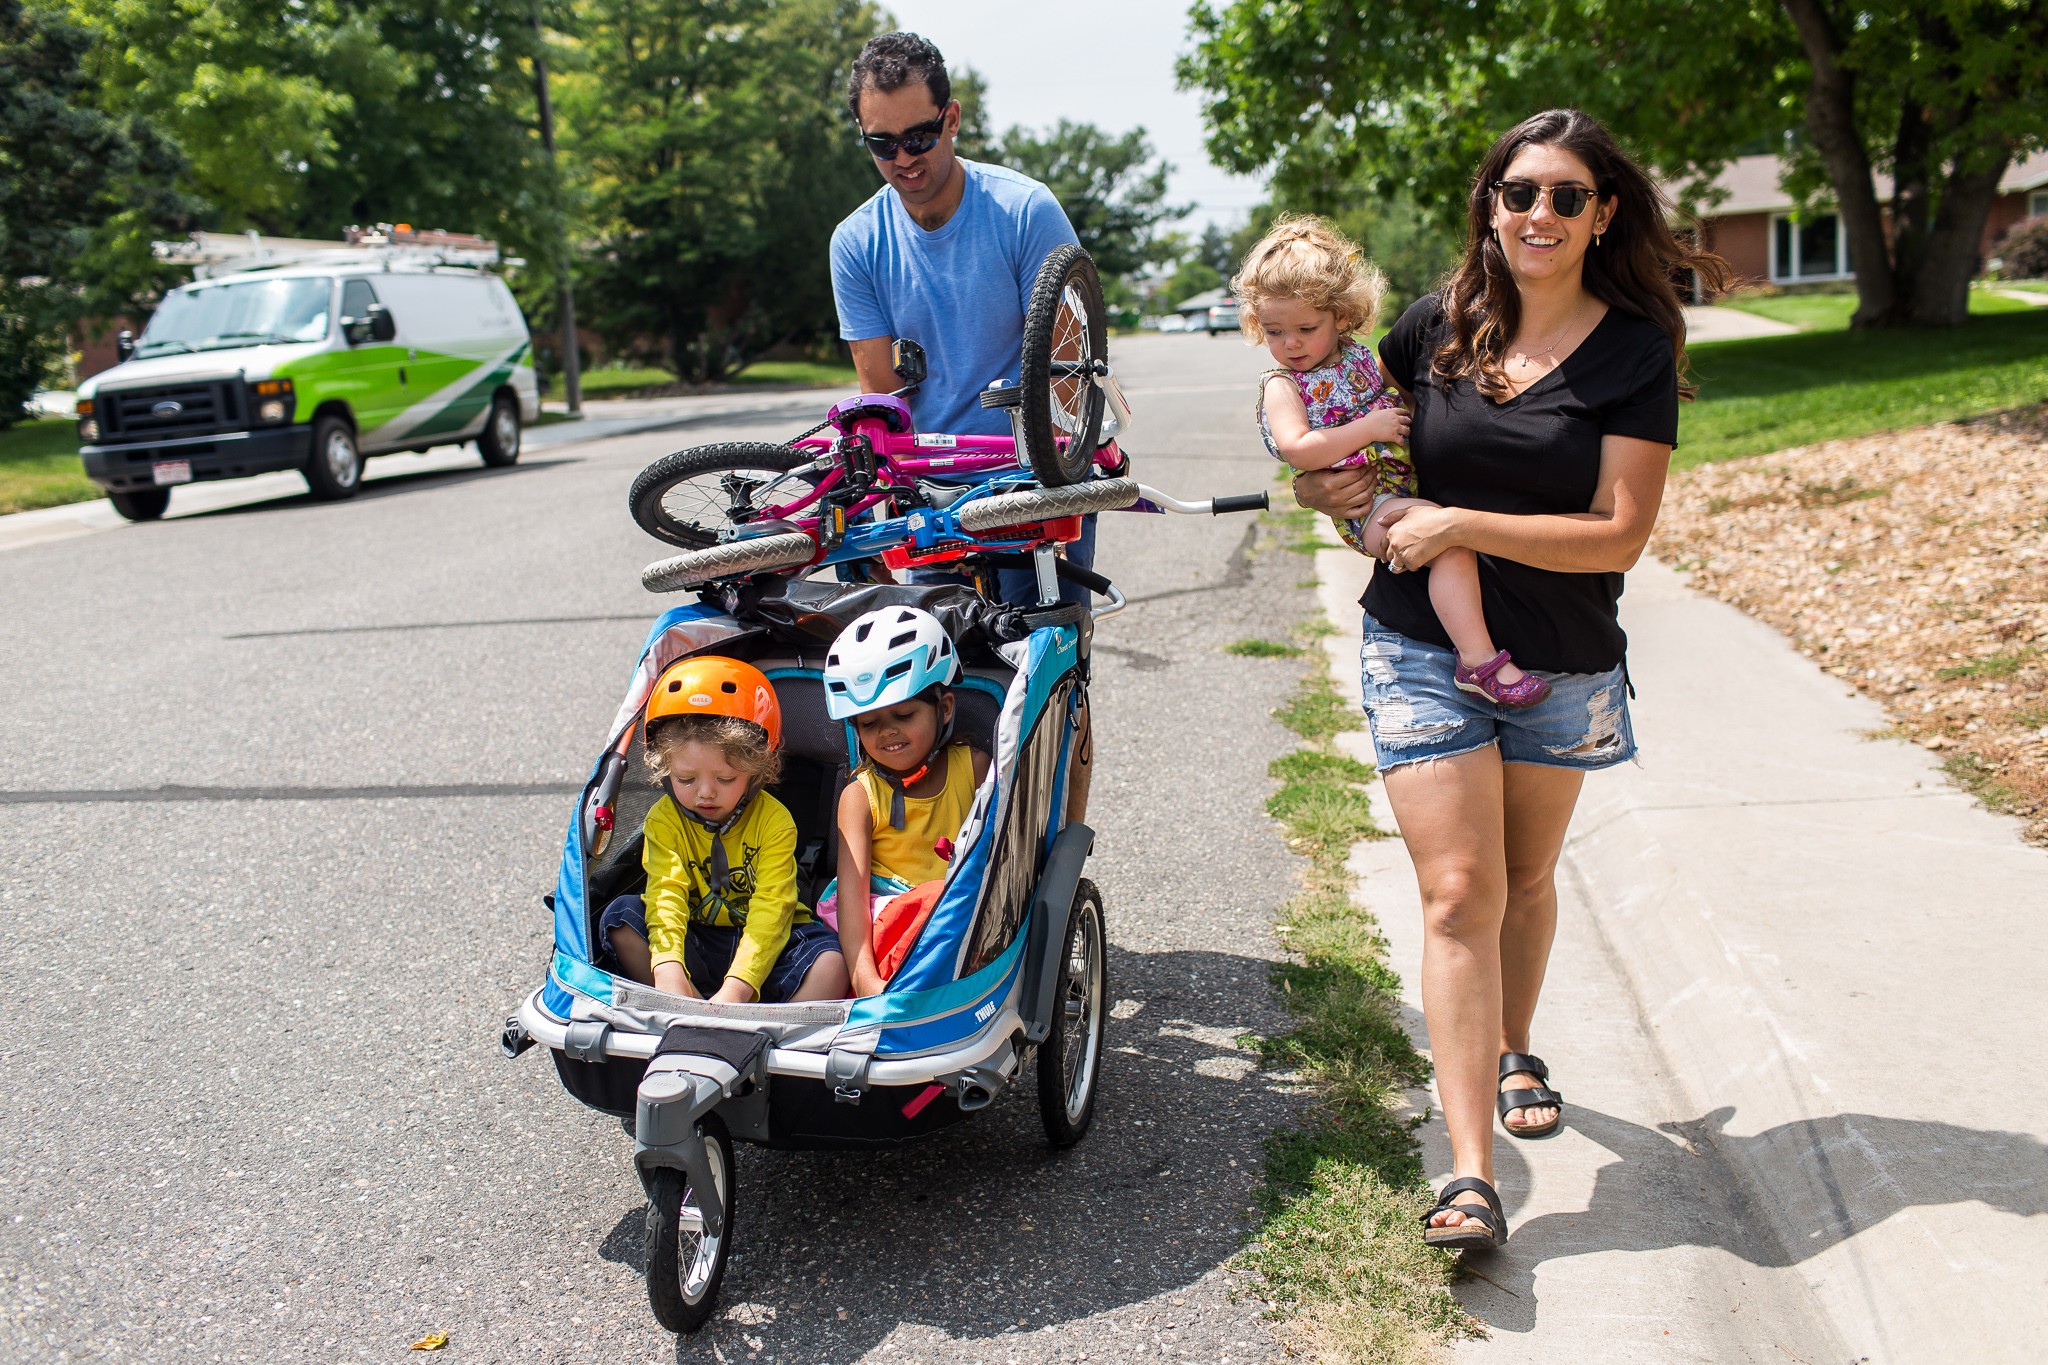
945 253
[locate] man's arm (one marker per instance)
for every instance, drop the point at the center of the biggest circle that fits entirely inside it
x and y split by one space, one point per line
871 365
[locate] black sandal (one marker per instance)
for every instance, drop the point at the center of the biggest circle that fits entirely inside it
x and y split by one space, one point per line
1468 1235
1542 1097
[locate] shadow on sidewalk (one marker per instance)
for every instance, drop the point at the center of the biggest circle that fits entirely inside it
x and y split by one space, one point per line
1688 1184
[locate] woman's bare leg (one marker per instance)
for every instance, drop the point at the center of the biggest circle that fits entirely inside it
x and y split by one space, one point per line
1539 803
1455 816
1453 591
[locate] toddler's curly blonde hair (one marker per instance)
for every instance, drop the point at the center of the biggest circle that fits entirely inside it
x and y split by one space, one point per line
1305 258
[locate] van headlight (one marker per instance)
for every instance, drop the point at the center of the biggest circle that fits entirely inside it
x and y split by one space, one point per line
273 399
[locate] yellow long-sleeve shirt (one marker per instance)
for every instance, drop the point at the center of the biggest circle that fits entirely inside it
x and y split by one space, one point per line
759 894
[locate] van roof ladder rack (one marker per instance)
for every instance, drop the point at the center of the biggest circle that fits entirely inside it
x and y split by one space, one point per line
212 254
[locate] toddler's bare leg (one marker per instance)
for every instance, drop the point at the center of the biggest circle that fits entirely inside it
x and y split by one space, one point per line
631 951
1453 591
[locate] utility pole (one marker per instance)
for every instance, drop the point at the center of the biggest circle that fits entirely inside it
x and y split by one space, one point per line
565 306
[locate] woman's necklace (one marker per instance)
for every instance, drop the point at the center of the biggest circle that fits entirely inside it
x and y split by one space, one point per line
1527 360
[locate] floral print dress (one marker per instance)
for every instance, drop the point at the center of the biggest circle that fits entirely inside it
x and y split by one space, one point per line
1342 391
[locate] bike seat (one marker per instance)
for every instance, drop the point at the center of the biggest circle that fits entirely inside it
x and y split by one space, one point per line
891 410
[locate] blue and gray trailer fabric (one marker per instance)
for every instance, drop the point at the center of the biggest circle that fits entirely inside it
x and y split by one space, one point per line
971 986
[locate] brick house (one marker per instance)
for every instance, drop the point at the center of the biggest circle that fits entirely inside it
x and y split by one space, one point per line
1754 231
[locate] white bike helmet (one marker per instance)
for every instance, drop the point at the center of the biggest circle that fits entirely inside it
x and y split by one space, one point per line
886 657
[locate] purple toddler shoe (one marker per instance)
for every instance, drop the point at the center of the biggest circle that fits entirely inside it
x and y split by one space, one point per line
1485 681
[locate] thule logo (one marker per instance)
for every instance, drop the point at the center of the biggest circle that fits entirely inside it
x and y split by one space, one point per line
166 409
981 1016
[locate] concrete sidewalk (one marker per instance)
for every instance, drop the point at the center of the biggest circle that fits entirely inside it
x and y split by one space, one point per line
1788 1008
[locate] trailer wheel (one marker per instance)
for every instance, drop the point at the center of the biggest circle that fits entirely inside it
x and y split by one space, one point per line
685 1264
1070 1058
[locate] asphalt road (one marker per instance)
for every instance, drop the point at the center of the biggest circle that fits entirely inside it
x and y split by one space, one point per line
254 1109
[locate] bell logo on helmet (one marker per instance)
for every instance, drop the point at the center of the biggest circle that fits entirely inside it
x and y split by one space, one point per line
699 699
864 677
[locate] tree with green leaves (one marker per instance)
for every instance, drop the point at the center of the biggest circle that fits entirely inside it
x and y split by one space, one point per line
301 117
717 157
1117 206
1940 95
81 194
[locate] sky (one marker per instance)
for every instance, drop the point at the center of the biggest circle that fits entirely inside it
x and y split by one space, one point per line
1106 62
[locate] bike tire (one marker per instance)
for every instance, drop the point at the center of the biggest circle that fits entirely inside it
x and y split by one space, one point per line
696 519
1044 504
1064 326
734 559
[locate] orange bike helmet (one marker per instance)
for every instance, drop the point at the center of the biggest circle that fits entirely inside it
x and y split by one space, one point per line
711 686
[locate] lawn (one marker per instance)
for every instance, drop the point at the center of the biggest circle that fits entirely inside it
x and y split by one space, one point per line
1830 312
39 466
1769 393
622 381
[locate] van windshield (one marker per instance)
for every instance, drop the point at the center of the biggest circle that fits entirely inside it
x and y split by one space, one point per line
215 317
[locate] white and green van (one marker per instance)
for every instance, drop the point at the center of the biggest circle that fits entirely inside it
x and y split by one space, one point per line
312 366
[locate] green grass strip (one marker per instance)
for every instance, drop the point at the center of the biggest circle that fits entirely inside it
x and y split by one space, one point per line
39 466
1340 1242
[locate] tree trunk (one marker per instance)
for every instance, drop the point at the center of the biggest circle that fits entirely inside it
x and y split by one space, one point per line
1831 122
1911 193
1941 289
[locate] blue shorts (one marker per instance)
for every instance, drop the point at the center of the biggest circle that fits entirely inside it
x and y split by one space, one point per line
708 949
1418 712
1019 587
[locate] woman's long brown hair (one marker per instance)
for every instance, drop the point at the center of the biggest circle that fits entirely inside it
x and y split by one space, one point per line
1632 268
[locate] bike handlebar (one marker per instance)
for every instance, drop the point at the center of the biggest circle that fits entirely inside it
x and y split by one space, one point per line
1242 502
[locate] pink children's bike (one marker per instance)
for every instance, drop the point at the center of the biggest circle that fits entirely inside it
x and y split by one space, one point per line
876 488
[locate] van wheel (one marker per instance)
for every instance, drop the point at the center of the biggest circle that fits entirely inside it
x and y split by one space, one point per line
498 442
147 505
335 468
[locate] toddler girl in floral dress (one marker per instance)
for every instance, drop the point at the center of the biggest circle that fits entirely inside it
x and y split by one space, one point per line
1303 292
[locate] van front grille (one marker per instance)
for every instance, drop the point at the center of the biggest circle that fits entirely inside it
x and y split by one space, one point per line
193 408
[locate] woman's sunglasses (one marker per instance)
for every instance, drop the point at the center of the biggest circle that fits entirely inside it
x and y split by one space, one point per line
916 140
1566 201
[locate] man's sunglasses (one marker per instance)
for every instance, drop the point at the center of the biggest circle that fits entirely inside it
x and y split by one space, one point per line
1566 201
916 140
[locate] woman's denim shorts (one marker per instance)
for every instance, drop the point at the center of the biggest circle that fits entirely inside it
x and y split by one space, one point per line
1418 712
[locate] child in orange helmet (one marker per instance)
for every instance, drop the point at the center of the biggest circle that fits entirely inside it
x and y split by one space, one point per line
720 918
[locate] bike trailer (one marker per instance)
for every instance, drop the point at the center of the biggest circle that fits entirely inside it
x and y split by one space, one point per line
1006 977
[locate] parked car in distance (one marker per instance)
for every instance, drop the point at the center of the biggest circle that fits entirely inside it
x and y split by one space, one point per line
1173 322
1223 317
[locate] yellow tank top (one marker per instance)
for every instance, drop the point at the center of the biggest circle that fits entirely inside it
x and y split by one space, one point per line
908 853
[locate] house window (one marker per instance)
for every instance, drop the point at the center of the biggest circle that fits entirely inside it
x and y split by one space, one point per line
2037 204
1811 250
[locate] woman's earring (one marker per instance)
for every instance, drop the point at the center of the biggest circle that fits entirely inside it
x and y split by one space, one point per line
1596 239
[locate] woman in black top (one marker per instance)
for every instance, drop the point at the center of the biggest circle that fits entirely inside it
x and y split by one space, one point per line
1545 378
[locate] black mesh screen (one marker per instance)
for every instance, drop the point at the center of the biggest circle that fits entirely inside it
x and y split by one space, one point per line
1019 853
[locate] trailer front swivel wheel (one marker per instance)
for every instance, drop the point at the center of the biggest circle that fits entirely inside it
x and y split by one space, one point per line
1070 1058
685 1263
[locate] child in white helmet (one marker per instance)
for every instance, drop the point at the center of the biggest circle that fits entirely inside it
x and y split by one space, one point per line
889 673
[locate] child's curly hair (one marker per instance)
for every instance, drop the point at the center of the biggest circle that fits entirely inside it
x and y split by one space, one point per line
744 744
1305 258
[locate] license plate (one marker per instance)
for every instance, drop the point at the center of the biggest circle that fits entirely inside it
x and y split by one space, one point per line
172 471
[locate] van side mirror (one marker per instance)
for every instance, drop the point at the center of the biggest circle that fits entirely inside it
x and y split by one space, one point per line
383 327
124 343
906 357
